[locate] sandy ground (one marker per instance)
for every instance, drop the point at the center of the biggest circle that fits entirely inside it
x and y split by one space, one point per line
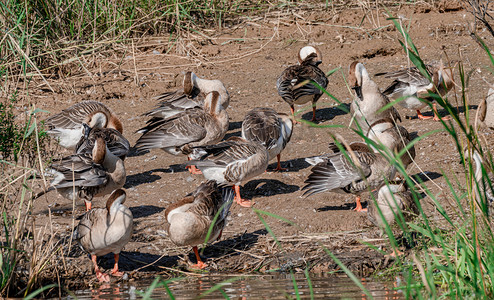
248 58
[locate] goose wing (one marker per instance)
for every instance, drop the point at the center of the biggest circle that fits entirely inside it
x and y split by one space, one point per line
115 141
77 114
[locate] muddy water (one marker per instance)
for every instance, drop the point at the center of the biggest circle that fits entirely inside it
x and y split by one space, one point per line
251 287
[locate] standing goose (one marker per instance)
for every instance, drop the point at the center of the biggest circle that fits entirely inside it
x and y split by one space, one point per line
193 127
335 173
486 110
86 176
191 217
393 137
191 95
410 83
115 141
271 129
105 230
295 82
67 127
369 100
231 162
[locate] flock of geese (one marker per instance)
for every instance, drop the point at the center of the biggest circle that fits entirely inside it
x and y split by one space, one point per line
193 121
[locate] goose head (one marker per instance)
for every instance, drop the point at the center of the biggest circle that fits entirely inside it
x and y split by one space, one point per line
188 83
116 199
99 151
356 75
310 53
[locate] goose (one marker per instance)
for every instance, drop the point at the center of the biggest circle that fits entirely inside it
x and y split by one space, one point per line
369 100
485 184
334 172
391 199
393 137
271 129
190 218
486 110
410 83
115 141
231 162
67 128
190 96
86 176
190 128
294 84
105 230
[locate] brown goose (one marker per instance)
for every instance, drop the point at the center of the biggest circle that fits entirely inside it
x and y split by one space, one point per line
86 176
334 172
191 217
394 137
193 127
486 110
369 100
191 95
271 129
231 162
294 84
410 83
67 127
115 141
105 230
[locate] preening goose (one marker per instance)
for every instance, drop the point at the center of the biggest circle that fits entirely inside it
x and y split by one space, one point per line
193 127
67 127
231 162
86 176
191 217
115 141
393 137
105 230
191 95
413 85
334 172
369 100
295 82
271 129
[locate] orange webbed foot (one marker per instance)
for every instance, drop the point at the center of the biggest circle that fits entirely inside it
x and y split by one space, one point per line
102 277
244 202
199 266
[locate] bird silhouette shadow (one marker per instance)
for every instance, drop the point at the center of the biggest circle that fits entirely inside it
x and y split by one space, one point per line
328 113
293 165
243 242
143 211
346 206
267 187
443 112
149 176
426 176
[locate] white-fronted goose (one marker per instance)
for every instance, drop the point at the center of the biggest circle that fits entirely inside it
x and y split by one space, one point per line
335 173
295 82
393 137
369 100
193 127
271 129
231 162
67 127
486 110
86 176
115 141
106 230
191 217
192 94
413 85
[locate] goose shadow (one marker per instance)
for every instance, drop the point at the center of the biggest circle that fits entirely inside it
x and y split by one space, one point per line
346 206
132 260
426 176
293 165
267 187
443 112
328 113
143 211
149 176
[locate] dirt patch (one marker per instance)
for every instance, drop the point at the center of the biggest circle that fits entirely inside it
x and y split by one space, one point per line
248 58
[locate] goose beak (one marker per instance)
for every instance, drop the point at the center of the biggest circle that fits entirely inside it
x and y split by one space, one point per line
318 62
358 91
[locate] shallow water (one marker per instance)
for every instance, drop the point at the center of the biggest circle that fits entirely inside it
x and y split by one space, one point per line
247 287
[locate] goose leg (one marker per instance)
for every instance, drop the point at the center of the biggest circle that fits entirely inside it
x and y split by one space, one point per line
115 271
436 114
278 167
359 205
200 264
102 277
421 116
239 200
292 108
88 205
192 169
314 119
